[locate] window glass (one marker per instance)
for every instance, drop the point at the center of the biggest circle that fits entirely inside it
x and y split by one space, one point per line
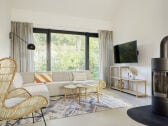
67 52
40 61
94 57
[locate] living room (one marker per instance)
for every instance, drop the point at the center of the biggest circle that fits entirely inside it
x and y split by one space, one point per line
129 20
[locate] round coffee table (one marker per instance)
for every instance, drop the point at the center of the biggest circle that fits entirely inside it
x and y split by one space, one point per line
70 90
85 87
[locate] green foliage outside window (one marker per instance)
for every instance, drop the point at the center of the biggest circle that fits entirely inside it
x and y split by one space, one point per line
67 53
94 57
40 61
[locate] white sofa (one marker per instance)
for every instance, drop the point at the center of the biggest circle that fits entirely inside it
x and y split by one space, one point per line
59 79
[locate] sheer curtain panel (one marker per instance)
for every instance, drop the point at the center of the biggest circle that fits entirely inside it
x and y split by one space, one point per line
106 54
19 52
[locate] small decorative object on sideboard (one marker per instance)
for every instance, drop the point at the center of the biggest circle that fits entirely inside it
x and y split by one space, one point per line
133 72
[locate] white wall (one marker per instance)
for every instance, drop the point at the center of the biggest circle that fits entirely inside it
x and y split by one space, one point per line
4 28
147 22
62 22
143 20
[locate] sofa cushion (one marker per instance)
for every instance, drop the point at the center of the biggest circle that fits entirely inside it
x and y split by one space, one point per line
28 77
86 82
88 74
31 84
56 88
60 82
43 77
61 76
79 76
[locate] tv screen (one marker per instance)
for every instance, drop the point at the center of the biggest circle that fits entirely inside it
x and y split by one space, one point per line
126 53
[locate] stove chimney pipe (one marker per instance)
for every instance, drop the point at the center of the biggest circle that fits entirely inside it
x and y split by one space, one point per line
164 48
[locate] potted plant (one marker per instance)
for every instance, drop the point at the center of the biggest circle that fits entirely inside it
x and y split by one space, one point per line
133 72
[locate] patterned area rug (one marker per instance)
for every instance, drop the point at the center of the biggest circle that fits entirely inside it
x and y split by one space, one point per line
58 108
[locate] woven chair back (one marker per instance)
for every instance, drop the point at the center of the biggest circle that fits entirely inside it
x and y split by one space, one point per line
7 72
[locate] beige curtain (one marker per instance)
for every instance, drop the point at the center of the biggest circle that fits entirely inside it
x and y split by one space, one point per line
19 50
106 54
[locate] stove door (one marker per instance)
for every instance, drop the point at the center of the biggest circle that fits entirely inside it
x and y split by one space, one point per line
160 84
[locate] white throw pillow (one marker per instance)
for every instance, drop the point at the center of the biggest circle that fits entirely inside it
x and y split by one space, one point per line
17 81
79 76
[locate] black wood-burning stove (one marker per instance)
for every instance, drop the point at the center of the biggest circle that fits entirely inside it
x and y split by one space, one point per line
160 80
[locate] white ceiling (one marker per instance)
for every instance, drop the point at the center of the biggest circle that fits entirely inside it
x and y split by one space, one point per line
95 9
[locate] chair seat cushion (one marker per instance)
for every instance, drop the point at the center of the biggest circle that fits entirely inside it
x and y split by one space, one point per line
13 101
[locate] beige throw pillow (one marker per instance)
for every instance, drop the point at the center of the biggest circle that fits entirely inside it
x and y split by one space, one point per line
17 81
79 76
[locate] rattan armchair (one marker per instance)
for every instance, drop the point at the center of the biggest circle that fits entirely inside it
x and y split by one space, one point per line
24 104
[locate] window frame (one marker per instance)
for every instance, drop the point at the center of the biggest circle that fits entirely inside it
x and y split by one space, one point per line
48 33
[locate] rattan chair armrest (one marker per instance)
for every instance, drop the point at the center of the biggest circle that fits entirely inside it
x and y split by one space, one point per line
18 92
23 108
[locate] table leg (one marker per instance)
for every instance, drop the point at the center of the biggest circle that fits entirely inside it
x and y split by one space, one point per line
136 89
85 93
64 94
73 93
97 90
76 93
145 88
79 96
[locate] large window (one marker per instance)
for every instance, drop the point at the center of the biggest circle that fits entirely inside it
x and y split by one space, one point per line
66 50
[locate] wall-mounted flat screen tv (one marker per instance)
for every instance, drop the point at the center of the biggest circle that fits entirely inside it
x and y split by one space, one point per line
126 53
